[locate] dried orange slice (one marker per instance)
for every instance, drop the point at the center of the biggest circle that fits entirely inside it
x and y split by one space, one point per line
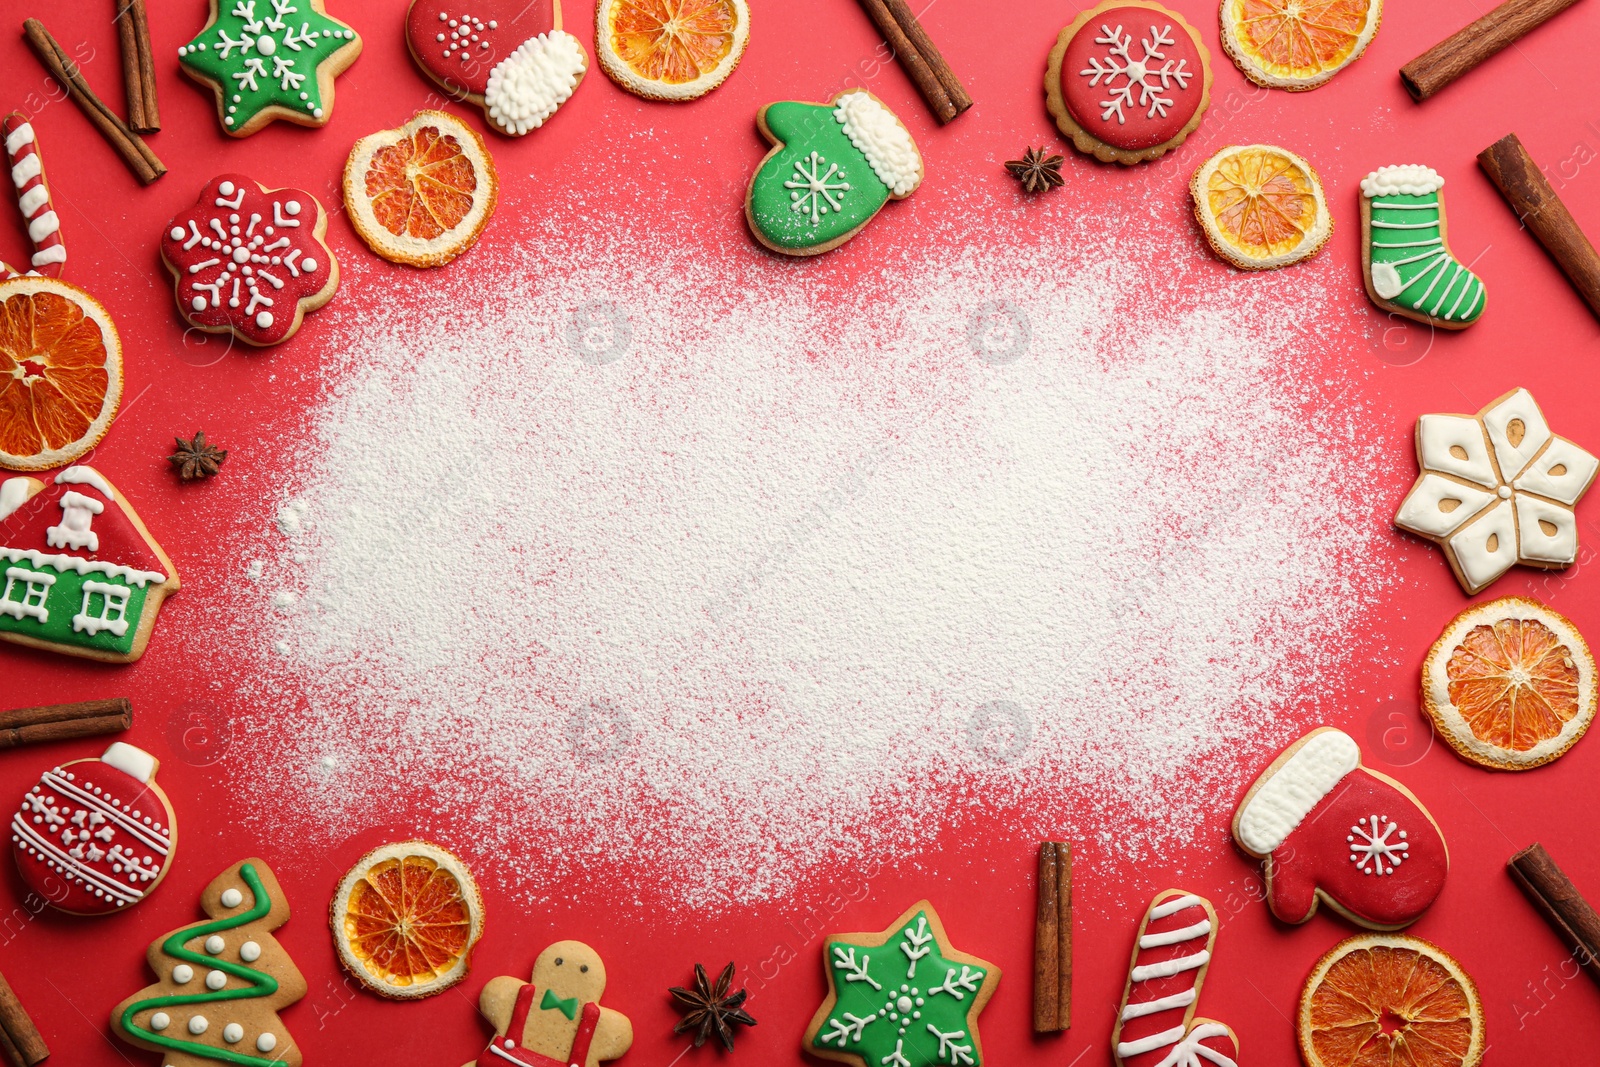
670 49
1382 999
1297 44
1510 684
60 372
423 193
1261 206
405 919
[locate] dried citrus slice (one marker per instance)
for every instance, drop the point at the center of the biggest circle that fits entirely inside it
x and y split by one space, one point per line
423 193
1297 44
60 372
1261 206
1389 999
670 49
405 919
1510 684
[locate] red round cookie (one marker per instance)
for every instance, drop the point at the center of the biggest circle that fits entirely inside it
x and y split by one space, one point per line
1132 77
95 836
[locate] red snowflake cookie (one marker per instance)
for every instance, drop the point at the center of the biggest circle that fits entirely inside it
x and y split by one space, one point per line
249 260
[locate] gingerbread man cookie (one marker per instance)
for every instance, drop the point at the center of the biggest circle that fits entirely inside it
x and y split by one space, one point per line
555 1020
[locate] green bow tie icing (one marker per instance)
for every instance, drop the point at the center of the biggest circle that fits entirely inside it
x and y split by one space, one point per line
270 59
1410 269
832 167
568 1006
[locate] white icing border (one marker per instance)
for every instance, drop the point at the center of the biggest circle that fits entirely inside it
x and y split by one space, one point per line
83 566
1409 179
1294 787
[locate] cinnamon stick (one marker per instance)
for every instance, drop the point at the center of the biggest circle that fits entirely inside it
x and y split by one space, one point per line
1538 207
22 1045
1559 901
143 162
61 722
914 63
925 47
1459 53
1052 940
138 66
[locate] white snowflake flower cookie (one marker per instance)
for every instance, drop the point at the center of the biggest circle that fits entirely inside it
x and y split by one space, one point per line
1497 489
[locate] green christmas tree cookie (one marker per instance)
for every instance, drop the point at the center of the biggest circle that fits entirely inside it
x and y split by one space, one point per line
902 997
270 59
832 167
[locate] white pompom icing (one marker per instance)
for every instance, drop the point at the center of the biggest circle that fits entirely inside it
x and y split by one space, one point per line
527 87
1409 179
878 135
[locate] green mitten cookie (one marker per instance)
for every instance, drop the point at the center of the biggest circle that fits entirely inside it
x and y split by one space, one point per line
832 167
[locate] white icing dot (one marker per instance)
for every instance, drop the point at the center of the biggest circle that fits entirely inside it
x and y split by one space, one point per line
182 973
292 207
183 50
317 112
232 898
266 45
233 1033
226 188
249 952
266 1043
441 37
308 265
443 16
215 944
216 980
176 233
198 303
198 1024
228 120
160 1021
264 319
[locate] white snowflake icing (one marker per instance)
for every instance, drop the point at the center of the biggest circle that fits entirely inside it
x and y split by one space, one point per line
1377 845
1154 82
814 190
1497 489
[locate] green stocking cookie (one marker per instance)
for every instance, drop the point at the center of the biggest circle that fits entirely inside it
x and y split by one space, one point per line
1407 266
832 167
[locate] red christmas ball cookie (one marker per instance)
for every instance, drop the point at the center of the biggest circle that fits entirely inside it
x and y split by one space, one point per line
95 836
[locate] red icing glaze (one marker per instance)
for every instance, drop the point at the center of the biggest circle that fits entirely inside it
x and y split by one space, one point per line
117 540
1088 102
1318 856
465 71
234 251
1156 988
74 841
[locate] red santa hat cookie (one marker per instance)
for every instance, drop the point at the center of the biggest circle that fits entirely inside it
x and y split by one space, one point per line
1329 829
95 836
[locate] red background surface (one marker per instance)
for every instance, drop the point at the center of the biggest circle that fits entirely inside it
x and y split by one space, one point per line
1536 333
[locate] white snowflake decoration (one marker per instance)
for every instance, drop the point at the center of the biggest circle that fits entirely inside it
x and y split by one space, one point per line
1377 845
814 190
1154 82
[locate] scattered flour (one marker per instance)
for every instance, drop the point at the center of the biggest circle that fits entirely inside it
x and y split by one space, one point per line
756 571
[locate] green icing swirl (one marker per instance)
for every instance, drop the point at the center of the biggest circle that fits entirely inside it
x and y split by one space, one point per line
262 984
850 194
266 60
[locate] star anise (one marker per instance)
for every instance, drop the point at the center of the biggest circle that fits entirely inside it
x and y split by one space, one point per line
196 459
709 1009
1036 171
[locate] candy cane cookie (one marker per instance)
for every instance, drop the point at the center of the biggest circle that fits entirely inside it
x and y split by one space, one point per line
1156 1024
33 196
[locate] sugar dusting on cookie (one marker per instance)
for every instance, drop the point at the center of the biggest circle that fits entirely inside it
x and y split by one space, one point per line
765 569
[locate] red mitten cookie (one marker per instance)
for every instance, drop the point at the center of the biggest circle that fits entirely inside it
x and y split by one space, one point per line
95 835
249 260
1327 828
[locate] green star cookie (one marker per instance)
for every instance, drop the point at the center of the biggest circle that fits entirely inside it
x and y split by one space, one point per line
270 59
902 997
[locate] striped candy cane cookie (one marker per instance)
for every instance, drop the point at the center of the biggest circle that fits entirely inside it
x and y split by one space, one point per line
33 195
1170 959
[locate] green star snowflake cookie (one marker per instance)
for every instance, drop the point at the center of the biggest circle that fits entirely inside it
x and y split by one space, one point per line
902 997
270 59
